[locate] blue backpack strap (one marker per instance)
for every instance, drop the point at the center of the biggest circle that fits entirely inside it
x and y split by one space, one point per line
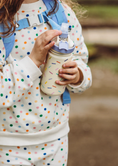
53 24
25 23
59 17
8 41
55 20
66 99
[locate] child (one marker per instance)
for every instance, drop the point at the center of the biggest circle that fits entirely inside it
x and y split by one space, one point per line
34 126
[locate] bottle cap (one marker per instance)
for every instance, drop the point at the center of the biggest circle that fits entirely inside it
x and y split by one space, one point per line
64 29
64 42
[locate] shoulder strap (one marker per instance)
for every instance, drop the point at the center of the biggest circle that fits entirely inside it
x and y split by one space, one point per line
8 41
55 19
59 17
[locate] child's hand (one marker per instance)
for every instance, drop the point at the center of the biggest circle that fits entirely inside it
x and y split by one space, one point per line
70 73
42 46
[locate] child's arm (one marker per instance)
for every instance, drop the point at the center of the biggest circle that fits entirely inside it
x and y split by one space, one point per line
16 78
80 57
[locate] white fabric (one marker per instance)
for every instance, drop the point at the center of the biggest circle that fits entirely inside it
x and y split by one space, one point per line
25 111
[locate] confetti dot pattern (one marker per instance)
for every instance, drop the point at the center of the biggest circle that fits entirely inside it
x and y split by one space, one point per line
41 154
24 108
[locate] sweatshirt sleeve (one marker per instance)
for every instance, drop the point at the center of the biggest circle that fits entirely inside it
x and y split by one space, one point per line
80 54
16 78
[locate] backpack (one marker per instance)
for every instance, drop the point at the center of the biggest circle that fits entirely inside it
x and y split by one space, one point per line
55 21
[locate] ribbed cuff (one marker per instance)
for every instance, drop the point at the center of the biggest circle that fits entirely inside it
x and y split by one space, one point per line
31 68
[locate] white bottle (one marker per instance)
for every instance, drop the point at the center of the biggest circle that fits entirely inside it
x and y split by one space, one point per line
60 53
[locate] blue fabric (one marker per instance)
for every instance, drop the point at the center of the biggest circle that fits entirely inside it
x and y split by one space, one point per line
23 23
57 17
8 45
40 18
8 41
1 27
66 99
52 23
47 4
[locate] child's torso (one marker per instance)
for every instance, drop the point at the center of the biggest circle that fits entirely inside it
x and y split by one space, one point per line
35 111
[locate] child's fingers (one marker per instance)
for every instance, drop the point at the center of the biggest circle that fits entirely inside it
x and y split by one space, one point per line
70 64
72 77
49 46
63 82
68 71
52 34
49 35
68 77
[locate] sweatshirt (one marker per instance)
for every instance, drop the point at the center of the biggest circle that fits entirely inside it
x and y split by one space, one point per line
27 115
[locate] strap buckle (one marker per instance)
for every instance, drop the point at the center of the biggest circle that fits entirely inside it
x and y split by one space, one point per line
35 20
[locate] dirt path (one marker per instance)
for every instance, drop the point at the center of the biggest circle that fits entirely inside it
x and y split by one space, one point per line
93 137
95 107
105 36
101 99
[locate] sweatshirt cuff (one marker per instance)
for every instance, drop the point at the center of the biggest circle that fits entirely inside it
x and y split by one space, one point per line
78 85
31 68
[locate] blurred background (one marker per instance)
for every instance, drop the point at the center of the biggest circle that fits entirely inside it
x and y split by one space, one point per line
93 138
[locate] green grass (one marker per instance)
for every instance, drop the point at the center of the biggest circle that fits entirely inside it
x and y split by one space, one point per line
100 2
105 63
98 11
103 12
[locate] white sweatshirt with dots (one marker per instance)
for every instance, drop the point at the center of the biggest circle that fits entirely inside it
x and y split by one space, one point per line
27 115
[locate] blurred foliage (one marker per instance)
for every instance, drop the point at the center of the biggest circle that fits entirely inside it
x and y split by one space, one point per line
106 58
102 2
104 12
98 11
108 63
78 9
92 50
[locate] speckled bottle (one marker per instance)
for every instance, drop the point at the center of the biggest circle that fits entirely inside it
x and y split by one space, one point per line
60 53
